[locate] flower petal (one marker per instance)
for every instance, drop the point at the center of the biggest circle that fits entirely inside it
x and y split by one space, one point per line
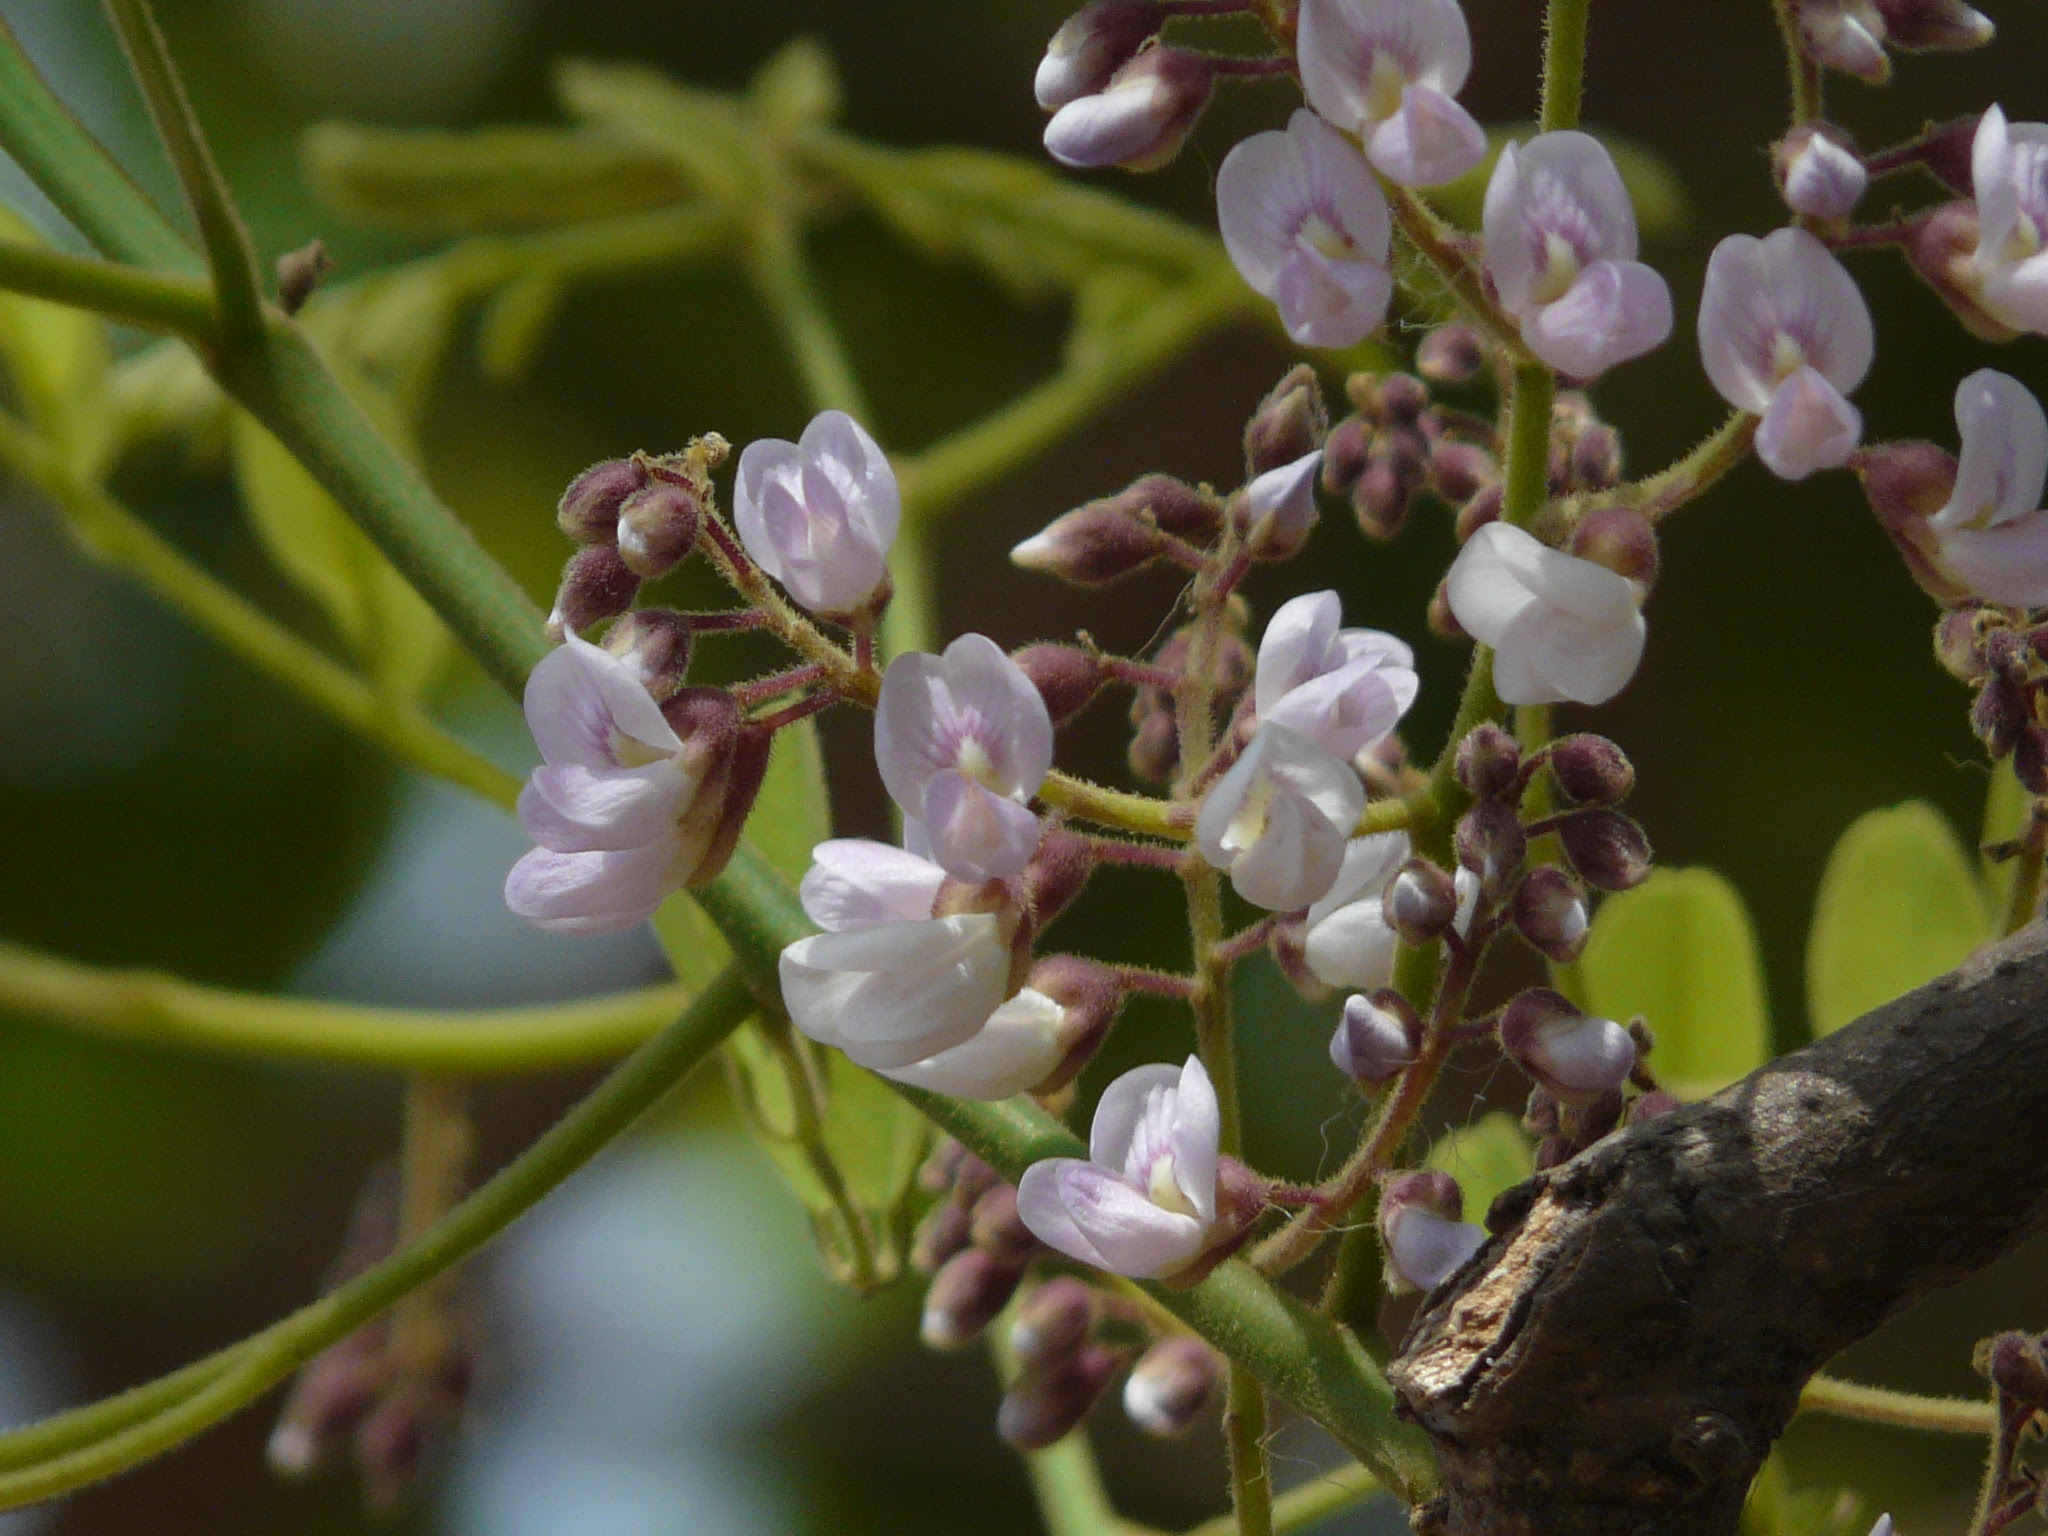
1612 312
893 994
1809 426
581 699
855 883
1369 863
599 892
977 835
1430 141
1122 1107
1090 1214
1296 645
1015 1050
2005 564
1352 947
2004 461
573 809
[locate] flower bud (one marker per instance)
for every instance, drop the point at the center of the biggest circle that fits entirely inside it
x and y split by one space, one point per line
1091 46
1420 902
1171 1384
1948 25
1279 509
1488 762
1059 868
1575 1056
1140 118
1454 353
1550 912
1999 714
589 509
1490 842
1591 770
1459 471
1090 546
1483 508
299 272
1346 452
1818 172
1941 246
1620 540
2017 1365
936 1174
1847 35
658 526
1400 398
942 1233
1043 1405
1906 483
1653 1105
1091 997
596 585
1958 647
1380 501
1607 849
965 1296
1155 747
1066 677
1376 1037
1420 1227
1290 422
1053 1320
656 644
1596 458
995 1228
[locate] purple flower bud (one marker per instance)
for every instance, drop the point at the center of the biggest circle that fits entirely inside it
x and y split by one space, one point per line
1399 399
658 526
1066 677
1941 246
1818 171
1453 353
1376 1037
1154 753
2017 1365
1171 1384
1550 912
994 1227
1140 118
965 1296
596 585
1043 1405
655 643
1090 546
1290 423
1596 458
942 1233
1056 874
1948 25
1999 714
1379 501
1490 842
1488 762
1848 35
1177 507
1483 508
1420 902
1591 770
589 509
1618 540
1279 509
1575 1056
1346 452
1421 1230
1091 996
1053 1320
1091 46
1459 471
1607 849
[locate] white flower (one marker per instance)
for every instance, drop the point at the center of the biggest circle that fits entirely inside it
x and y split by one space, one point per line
1277 822
1784 333
1280 508
820 514
623 808
963 740
1823 180
1344 689
1848 35
1371 1043
1577 1056
1421 1231
1089 48
1306 224
1561 628
888 983
1016 1049
1561 249
1992 536
1347 942
1140 119
2009 173
1143 1202
1387 70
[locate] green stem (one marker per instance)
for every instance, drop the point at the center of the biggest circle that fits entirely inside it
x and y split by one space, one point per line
230 260
1330 1494
212 1390
1657 496
1445 250
789 292
807 1112
116 537
1251 1475
1068 1486
2026 882
1527 472
1807 103
1564 63
1903 1410
153 301
912 620
78 175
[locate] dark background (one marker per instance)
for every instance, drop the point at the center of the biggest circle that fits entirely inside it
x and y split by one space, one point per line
158 805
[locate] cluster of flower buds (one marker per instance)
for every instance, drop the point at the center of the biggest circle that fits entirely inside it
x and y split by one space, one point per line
2001 656
1852 35
972 1245
394 1390
1398 443
633 520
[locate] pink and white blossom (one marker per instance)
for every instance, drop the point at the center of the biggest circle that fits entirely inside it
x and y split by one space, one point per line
1091 46
1561 250
1140 119
1143 1202
1305 222
1576 1056
887 982
1278 821
1344 689
1992 536
1562 628
1784 333
2009 174
1347 941
1422 1233
1823 179
963 741
1016 1049
1388 71
619 805
820 514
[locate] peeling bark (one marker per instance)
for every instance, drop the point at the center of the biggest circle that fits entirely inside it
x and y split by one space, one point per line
1620 1356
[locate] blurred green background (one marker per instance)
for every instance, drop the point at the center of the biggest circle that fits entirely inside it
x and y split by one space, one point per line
159 805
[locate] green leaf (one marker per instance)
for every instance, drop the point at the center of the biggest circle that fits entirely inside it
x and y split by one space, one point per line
704 136
1681 951
2005 821
396 636
58 362
1491 1154
1899 905
1653 185
796 89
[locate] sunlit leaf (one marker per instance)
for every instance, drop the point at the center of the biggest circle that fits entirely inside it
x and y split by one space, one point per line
1680 950
2005 821
1653 185
1899 905
1491 1154
57 360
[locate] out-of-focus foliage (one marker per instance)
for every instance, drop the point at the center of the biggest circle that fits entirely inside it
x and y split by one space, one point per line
1491 1154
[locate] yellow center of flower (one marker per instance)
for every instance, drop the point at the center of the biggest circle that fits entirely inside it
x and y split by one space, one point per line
1165 1192
1327 239
1383 87
1249 824
973 760
1560 270
1787 358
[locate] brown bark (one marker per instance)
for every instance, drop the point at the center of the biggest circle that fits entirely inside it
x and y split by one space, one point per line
1620 1356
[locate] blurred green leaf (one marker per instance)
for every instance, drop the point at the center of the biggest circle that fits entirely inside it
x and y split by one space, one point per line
163 393
1653 185
1681 951
702 134
1899 904
513 324
57 364
2005 821
1776 1508
796 89
1491 1154
432 181
397 637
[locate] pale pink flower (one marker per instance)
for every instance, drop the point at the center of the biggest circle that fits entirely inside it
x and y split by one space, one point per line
1823 180
1347 941
1140 119
1143 1202
1278 821
1562 628
1371 1044
820 514
1015 1049
2009 173
1992 536
1091 46
1421 1230
1388 71
1306 224
1784 333
1561 249
1344 689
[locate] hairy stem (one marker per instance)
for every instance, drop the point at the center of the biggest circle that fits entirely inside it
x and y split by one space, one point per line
1311 1504
1251 1474
1564 63
1902 1410
2026 884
